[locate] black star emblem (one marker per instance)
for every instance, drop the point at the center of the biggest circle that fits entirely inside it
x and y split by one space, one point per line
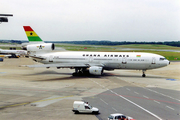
31 33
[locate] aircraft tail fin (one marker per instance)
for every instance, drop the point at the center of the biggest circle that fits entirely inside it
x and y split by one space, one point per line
31 35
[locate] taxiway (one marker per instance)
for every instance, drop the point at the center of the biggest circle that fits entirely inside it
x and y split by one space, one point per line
28 93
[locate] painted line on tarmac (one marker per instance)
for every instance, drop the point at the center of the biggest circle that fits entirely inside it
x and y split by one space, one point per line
145 96
20 104
104 101
136 93
114 109
134 104
157 102
48 101
14 105
162 94
151 90
170 107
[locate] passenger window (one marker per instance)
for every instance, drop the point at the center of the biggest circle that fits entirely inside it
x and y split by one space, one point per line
127 56
87 55
123 55
94 55
83 54
98 55
120 55
90 55
105 55
115 55
86 107
162 58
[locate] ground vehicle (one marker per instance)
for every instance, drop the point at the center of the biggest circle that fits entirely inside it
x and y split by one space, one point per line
119 116
83 107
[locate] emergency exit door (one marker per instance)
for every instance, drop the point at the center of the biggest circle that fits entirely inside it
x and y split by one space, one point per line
124 60
153 60
50 58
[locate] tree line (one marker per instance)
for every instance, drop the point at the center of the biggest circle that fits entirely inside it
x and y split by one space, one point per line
102 42
89 42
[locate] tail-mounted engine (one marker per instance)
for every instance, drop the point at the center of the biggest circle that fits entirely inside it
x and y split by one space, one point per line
41 47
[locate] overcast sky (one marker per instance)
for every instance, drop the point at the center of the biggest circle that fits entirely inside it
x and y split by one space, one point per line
116 20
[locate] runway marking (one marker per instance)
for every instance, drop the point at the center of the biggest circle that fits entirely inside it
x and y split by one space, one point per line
162 94
145 96
104 101
128 89
133 104
136 93
151 90
114 109
141 107
170 107
20 104
156 101
107 89
102 86
14 105
50 100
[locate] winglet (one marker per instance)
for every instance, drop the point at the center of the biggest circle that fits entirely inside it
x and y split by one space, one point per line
31 35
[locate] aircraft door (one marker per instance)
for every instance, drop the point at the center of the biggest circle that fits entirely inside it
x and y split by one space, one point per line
90 59
153 60
51 58
124 60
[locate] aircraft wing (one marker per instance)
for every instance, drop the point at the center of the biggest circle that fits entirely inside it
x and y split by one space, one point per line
62 65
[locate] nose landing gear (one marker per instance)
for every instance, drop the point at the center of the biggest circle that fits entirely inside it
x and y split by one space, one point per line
143 75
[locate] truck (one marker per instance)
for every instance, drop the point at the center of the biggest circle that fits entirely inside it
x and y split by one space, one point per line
84 107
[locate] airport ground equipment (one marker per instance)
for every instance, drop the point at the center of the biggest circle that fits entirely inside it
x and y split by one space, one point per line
83 107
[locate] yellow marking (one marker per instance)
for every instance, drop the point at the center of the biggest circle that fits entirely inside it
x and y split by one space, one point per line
31 33
33 102
51 99
15 105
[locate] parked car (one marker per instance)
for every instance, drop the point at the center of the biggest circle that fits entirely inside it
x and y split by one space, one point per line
119 116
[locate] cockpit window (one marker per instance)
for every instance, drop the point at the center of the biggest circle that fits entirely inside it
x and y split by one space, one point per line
162 59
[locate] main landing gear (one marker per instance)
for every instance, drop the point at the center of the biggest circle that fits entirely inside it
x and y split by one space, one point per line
80 72
143 75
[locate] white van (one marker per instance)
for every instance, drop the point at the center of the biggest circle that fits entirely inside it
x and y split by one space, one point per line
83 107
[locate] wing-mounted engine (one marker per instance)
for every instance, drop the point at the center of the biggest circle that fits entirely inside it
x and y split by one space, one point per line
95 70
41 47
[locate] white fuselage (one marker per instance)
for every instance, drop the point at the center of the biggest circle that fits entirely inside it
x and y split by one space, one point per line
109 60
19 52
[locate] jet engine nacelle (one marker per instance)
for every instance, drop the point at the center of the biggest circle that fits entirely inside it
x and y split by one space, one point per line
41 47
95 70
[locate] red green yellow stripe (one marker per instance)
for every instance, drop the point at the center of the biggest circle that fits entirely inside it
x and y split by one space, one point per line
31 35
138 55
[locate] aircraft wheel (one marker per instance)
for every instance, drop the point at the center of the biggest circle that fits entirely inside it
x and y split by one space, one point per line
143 75
75 74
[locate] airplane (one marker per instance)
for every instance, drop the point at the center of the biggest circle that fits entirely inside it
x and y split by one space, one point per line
15 53
93 62
3 56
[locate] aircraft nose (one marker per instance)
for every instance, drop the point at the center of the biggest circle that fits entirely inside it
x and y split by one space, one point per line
168 62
